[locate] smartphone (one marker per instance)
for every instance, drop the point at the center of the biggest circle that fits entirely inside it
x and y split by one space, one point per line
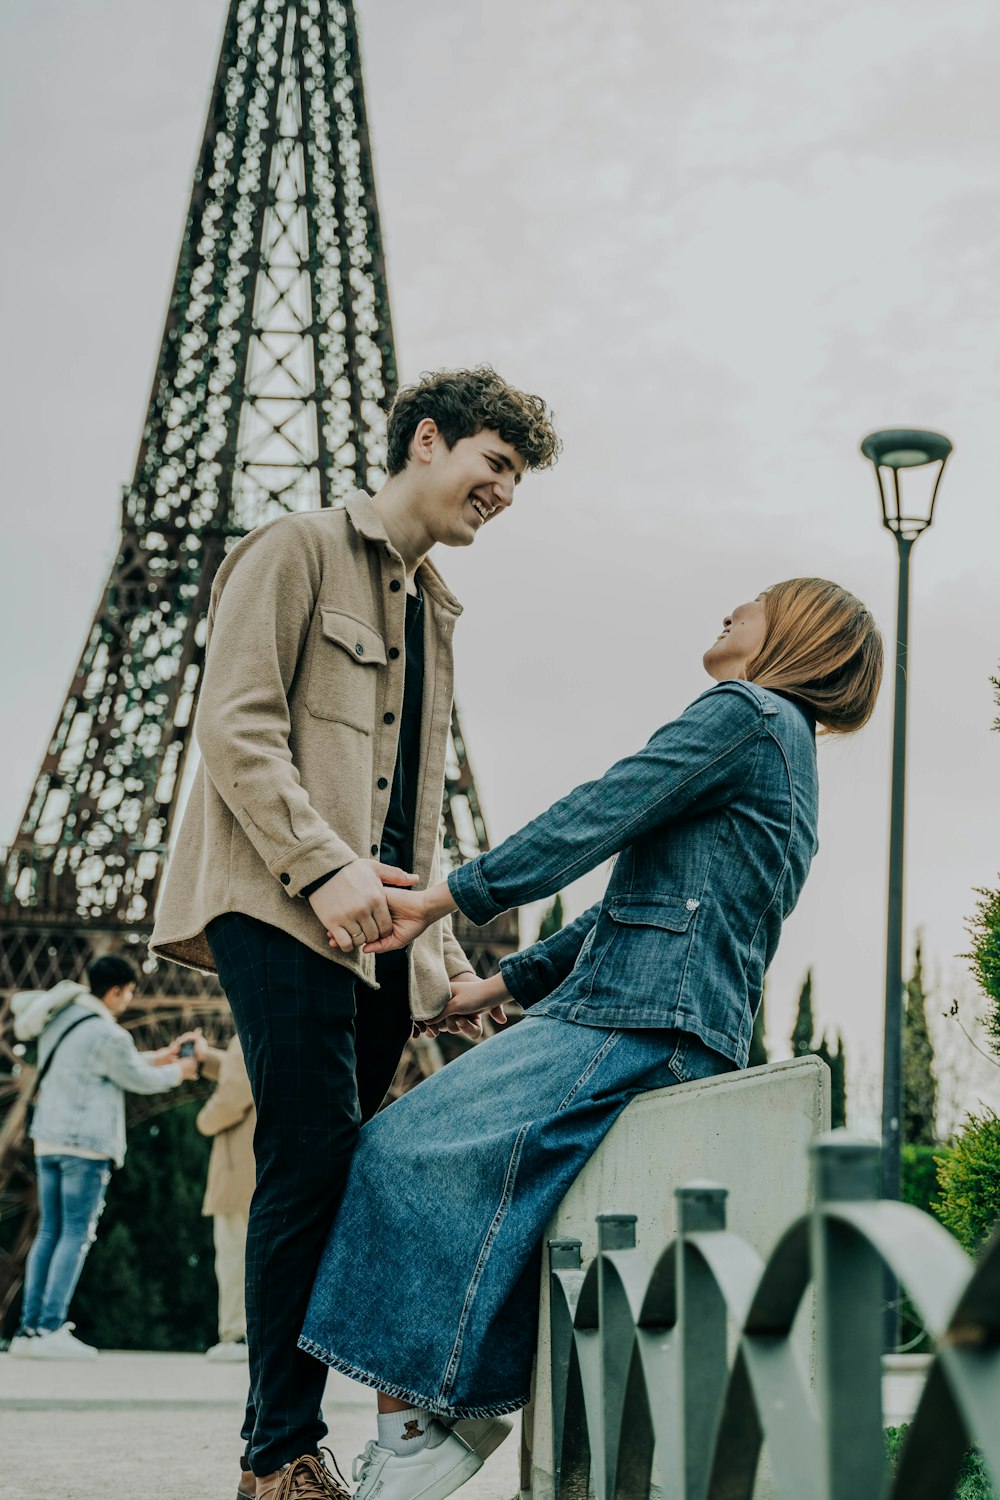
186 1049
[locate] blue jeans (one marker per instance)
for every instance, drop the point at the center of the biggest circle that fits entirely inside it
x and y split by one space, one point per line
71 1192
428 1286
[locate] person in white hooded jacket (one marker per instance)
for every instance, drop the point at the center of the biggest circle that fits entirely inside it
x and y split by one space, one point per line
87 1062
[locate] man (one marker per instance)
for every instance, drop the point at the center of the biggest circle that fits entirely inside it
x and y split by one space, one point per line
87 1063
323 725
229 1118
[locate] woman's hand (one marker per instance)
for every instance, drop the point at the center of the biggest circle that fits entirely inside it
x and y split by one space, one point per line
411 913
470 998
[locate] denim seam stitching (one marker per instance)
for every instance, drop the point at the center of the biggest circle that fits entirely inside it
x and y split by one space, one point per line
508 1187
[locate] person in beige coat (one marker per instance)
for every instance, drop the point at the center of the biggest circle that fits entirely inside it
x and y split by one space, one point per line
229 1118
323 719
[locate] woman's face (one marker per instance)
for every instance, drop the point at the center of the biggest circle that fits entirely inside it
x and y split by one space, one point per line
742 637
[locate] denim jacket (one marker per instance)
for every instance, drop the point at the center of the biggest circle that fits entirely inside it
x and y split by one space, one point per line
81 1101
714 825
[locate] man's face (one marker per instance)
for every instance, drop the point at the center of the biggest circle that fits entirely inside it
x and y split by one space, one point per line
119 998
468 485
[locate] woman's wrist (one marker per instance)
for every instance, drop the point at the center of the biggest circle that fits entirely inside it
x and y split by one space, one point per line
438 902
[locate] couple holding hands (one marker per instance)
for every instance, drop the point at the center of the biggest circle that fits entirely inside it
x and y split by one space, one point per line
403 1247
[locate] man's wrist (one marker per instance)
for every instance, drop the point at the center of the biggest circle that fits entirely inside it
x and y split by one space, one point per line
314 885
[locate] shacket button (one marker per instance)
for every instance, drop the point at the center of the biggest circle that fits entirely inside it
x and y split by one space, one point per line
374 848
393 652
286 880
382 783
388 718
360 649
395 585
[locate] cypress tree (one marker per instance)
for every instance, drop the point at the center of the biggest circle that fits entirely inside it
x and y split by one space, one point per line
837 1063
552 918
802 1034
758 1051
919 1083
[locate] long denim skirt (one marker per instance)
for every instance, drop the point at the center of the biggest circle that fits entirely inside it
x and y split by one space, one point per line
428 1287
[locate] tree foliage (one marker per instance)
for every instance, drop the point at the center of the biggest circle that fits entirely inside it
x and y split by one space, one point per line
984 930
802 1032
552 918
804 1046
837 1063
969 1179
758 1049
919 1081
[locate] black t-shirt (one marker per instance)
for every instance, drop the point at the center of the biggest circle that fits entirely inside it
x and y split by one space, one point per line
397 832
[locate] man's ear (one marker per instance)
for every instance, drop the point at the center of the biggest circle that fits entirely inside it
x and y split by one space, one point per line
425 437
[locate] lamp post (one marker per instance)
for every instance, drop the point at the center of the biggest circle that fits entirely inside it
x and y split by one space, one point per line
890 452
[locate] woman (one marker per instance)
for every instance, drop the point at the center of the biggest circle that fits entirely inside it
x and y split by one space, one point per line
714 826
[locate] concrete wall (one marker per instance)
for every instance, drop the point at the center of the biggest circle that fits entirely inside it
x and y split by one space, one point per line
749 1131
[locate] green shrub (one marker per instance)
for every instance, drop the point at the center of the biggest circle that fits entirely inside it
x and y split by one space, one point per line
973 1481
969 1179
920 1175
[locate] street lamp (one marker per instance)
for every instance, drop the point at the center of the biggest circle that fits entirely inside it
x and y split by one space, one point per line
890 452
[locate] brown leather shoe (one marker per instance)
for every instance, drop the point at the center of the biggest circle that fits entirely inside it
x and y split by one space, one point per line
247 1487
306 1478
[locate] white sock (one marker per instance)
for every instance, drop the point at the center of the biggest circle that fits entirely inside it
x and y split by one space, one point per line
410 1431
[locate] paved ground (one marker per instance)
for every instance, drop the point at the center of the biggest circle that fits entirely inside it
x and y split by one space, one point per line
127 1426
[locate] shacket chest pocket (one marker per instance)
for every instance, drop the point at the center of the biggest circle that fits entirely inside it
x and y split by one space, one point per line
343 682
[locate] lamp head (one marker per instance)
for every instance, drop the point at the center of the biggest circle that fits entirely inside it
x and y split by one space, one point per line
897 448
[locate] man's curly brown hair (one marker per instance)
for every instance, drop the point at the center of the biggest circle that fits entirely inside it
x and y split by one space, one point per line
464 402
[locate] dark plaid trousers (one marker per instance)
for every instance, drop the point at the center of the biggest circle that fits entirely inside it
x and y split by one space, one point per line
319 1063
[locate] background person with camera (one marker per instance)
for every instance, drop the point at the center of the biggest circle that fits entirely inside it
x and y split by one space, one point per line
87 1063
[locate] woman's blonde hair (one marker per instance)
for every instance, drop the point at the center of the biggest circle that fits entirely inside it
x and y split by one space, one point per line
821 647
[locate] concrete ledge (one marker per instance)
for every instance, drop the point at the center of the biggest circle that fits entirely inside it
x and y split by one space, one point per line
749 1131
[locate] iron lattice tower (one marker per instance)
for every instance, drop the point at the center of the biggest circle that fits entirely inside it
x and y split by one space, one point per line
270 392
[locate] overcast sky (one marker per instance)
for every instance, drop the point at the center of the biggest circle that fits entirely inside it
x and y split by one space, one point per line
725 241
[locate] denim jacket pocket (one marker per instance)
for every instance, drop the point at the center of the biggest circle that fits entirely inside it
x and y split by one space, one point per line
671 913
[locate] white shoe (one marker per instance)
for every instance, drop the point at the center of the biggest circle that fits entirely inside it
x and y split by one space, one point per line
430 1474
21 1345
228 1352
59 1344
482 1434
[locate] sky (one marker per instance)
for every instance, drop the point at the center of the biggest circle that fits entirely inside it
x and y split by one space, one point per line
725 242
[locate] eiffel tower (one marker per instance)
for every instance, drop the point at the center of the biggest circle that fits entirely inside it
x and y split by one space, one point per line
274 375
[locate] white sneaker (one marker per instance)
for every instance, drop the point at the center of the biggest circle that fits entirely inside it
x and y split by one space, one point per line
59 1344
430 1474
20 1345
228 1352
482 1434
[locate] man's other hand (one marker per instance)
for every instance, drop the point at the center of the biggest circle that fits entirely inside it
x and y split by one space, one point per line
352 904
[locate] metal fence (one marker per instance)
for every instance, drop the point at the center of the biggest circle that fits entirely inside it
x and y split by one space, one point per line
694 1356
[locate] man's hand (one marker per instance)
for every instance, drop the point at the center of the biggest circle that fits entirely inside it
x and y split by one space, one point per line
352 904
188 1067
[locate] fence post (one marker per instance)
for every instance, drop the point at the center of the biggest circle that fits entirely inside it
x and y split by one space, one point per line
569 1422
614 1232
701 1313
848 1279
